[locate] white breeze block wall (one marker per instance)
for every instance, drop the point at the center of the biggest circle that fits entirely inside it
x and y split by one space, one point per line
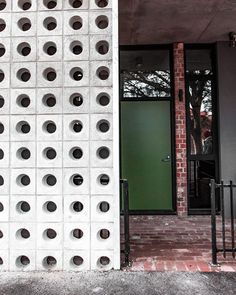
59 165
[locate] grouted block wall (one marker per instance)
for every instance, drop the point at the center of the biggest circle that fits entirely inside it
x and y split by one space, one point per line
58 174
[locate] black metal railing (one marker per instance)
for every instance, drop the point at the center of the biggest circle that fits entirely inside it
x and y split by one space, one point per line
125 211
224 193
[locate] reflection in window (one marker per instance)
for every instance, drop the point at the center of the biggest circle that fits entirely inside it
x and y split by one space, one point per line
199 97
145 74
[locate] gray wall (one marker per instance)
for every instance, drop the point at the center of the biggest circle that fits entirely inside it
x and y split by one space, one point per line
227 110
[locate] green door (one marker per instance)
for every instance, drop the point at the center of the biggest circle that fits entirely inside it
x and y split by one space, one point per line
146 154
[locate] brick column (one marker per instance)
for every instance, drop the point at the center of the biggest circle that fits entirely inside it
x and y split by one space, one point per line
180 123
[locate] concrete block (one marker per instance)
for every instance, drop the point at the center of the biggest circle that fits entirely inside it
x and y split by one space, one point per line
100 47
76 74
101 154
76 100
49 24
4 258
49 101
102 208
22 128
49 236
22 260
4 233
100 22
49 208
50 49
24 24
77 236
5 45
4 102
4 128
76 127
49 74
23 181
4 75
101 127
76 181
49 181
22 208
76 48
76 260
102 236
4 154
23 154
24 49
75 154
102 260
49 260
76 208
101 73
49 154
22 236
49 127
101 181
76 23
23 75
75 5
4 181
23 101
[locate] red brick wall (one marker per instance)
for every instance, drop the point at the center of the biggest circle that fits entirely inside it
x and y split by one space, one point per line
180 123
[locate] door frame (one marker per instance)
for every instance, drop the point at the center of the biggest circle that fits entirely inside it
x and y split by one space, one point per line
171 99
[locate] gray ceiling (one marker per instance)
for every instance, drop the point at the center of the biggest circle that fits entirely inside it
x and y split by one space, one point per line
168 21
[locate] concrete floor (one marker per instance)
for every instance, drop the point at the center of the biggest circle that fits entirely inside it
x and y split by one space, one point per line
117 282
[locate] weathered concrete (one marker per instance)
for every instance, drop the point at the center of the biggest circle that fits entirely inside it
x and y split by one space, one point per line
189 21
136 283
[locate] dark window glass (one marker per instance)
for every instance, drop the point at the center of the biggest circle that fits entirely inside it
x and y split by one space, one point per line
145 73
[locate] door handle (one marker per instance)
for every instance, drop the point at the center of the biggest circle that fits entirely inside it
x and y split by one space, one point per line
166 159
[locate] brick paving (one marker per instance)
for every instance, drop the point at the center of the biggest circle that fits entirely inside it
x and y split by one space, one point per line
172 243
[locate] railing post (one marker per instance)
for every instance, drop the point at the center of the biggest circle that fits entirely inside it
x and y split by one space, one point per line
213 222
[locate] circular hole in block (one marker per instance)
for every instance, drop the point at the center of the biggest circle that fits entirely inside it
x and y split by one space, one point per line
77 233
50 180
76 22
50 23
49 262
23 233
76 126
1 128
23 180
23 75
50 206
103 152
76 47
104 179
23 100
104 207
77 206
23 153
76 3
50 233
1 207
49 126
102 47
24 24
1 180
104 234
49 74
49 100
2 49
50 48
103 73
77 179
1 234
50 4
24 49
77 260
3 5
22 261
76 99
23 207
104 261
76 153
24 4
101 3
102 22
49 153
2 25
103 126
23 127
2 75
76 74
1 154
2 101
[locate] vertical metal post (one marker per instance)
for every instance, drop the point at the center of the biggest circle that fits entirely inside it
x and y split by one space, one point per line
126 221
213 222
232 218
223 215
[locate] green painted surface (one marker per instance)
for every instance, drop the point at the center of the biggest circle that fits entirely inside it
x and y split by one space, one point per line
145 141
